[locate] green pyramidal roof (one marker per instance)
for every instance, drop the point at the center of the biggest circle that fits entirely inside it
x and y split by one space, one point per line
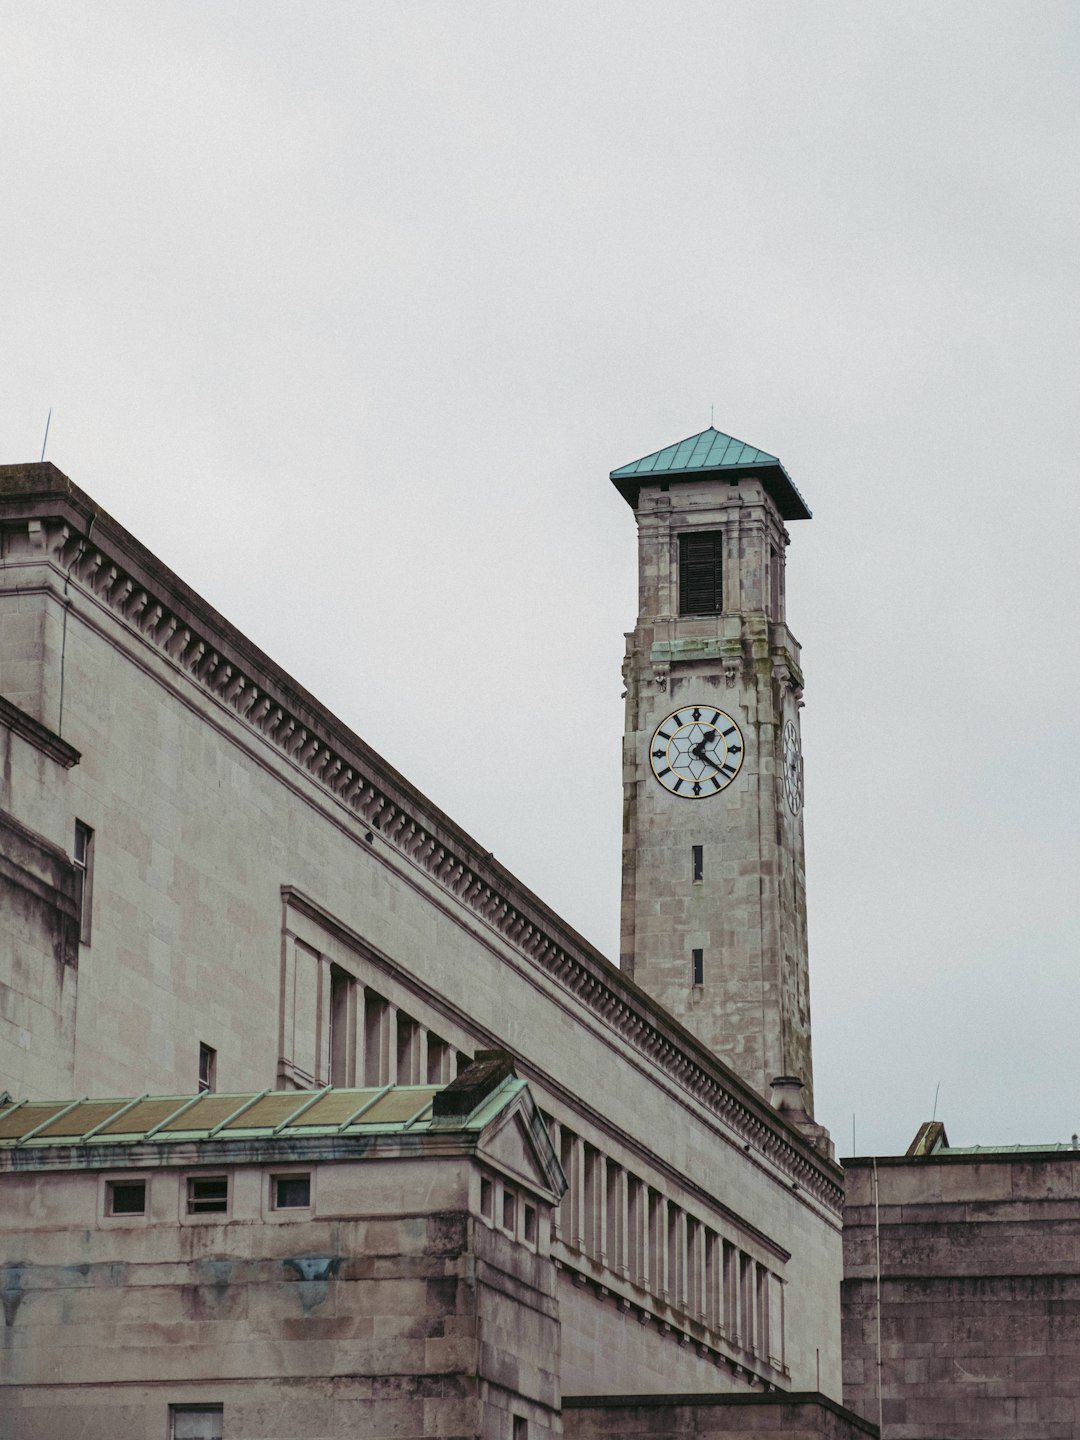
703 455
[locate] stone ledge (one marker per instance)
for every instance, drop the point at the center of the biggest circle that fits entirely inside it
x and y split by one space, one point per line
38 735
798 1415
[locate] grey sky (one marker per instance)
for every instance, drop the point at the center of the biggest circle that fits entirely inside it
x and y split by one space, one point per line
346 310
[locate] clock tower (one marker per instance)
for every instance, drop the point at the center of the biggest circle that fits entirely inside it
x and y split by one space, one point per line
714 882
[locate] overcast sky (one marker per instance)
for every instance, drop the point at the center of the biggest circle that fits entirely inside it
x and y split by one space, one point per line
347 310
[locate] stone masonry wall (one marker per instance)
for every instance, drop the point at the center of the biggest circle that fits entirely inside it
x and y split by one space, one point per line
980 1296
414 1323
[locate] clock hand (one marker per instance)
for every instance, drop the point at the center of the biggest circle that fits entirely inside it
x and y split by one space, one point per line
698 750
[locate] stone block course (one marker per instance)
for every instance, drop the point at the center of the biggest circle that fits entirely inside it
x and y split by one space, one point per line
980 1297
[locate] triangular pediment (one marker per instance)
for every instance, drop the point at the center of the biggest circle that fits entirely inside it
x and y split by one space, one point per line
511 1144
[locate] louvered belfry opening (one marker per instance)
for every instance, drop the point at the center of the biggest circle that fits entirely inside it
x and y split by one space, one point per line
701 574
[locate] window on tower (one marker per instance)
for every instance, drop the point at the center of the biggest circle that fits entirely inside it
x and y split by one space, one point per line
701 582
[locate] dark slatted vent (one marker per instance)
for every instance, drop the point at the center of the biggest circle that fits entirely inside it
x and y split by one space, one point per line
701 586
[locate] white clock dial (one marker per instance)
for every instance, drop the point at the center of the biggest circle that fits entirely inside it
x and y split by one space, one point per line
696 751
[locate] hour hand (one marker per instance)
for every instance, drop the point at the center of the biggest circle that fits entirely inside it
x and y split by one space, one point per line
698 750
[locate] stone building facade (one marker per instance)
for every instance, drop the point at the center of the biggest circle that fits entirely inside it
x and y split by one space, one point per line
961 1294
219 886
374 1263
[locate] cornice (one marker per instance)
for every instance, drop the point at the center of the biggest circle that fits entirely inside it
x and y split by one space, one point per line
38 735
108 565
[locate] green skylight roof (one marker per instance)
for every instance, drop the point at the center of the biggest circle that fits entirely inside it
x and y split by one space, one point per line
706 454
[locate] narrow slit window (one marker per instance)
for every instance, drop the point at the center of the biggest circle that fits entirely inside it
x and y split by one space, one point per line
207 1069
698 960
84 866
341 983
529 1224
697 862
701 581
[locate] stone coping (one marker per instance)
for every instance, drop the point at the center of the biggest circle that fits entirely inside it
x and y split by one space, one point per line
973 1155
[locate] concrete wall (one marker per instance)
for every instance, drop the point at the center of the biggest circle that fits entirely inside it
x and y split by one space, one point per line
225 802
980 1295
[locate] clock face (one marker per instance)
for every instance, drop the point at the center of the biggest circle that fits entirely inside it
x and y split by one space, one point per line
792 768
696 751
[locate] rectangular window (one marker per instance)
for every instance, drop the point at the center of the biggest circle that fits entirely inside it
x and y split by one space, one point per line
509 1210
487 1191
701 588
196 1422
84 865
521 1428
125 1197
376 1036
698 961
438 1061
207 1194
408 1051
774 583
340 990
291 1192
529 1224
207 1069
697 862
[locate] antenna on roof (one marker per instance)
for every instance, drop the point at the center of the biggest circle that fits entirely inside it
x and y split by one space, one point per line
44 442
712 416
937 1087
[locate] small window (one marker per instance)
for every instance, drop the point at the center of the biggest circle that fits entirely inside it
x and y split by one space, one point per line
697 862
698 958
207 1194
529 1224
125 1197
509 1210
84 865
207 1069
486 1208
196 1422
291 1192
521 1425
701 585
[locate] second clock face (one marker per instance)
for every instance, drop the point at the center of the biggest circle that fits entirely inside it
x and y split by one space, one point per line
792 768
696 751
